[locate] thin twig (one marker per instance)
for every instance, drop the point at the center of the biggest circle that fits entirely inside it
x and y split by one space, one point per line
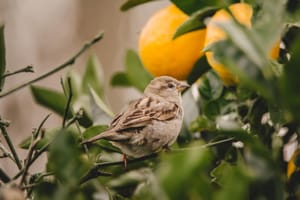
10 144
69 93
58 68
39 152
72 121
211 144
94 173
26 167
5 152
35 156
86 150
30 186
38 131
25 69
36 137
78 115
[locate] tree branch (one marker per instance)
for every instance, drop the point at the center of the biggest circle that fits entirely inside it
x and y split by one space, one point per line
58 68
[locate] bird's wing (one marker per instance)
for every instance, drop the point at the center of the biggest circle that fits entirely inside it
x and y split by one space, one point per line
143 111
138 114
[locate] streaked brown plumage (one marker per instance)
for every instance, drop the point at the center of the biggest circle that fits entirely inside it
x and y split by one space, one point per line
150 123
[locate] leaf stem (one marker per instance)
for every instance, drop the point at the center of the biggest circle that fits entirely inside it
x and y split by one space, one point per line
58 68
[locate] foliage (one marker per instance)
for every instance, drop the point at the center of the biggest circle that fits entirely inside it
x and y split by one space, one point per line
233 139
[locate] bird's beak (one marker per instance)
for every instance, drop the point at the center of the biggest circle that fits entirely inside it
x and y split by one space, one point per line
182 86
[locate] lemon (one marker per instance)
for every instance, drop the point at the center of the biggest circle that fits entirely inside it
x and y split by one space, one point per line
243 13
163 55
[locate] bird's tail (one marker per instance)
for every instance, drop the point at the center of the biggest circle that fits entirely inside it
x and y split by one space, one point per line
106 135
96 138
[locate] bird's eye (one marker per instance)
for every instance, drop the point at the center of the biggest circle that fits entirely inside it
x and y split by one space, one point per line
171 85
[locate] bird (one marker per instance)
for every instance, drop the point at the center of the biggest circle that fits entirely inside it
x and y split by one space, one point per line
150 123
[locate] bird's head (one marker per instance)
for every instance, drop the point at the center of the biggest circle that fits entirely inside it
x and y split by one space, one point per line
166 87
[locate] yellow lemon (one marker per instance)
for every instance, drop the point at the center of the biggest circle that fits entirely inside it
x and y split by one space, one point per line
160 54
243 13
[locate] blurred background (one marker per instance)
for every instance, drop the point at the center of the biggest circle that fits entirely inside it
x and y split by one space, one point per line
46 33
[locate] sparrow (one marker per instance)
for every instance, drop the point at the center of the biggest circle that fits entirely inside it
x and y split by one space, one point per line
150 123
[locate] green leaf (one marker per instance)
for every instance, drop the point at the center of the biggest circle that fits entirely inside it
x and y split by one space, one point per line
212 109
239 64
132 3
191 6
150 189
93 131
50 99
200 68
105 111
218 173
210 86
136 73
244 93
195 22
247 41
290 83
126 183
93 77
120 79
188 180
2 57
269 32
64 159
234 179
201 123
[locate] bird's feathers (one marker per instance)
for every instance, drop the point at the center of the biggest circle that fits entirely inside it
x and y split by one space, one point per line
138 114
150 123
